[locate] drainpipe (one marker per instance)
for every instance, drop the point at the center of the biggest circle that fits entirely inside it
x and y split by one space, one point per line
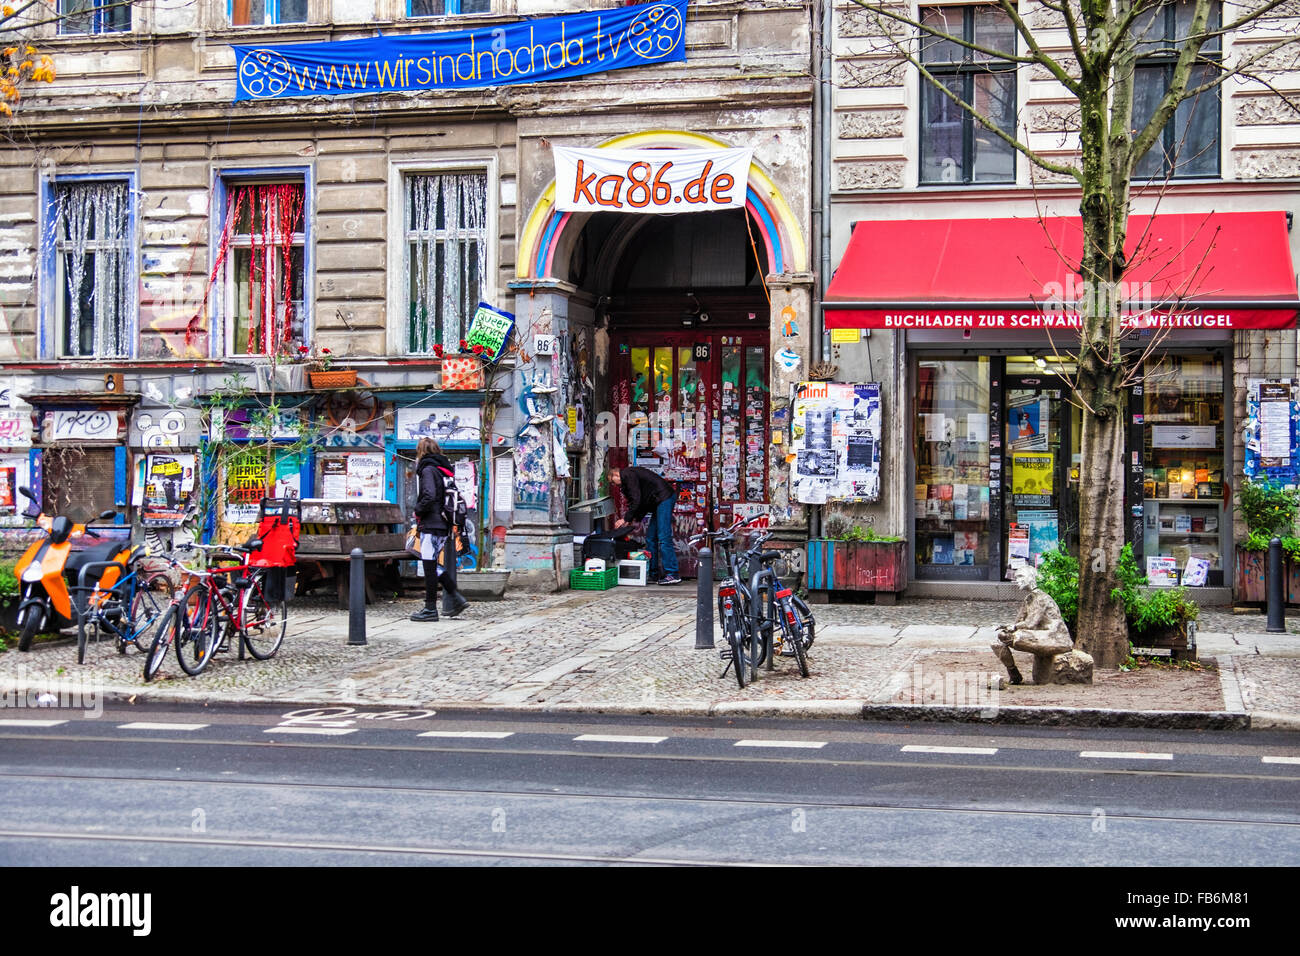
822 37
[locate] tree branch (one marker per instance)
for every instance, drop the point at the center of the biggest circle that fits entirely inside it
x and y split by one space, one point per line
939 34
1009 8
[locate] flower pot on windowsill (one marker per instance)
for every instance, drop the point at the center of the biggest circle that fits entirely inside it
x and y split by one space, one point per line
334 378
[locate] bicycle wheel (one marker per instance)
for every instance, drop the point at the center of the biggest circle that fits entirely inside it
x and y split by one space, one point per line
792 631
805 616
162 639
148 605
264 622
734 635
197 625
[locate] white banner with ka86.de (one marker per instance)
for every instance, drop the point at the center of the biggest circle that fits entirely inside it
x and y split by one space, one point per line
650 180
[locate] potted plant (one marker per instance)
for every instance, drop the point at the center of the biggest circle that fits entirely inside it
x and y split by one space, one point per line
323 374
853 558
1157 617
1269 510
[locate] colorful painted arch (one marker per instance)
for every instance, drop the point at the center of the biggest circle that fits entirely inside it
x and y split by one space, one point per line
786 249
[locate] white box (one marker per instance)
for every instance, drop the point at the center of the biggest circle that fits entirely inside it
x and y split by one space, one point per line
632 573
594 564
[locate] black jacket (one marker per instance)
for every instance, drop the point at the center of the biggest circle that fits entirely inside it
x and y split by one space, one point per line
430 472
644 491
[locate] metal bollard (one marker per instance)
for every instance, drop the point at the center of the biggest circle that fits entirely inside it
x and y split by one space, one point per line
1276 592
357 598
704 602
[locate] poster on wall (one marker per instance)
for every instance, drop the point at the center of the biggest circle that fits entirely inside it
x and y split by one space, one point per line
168 487
1031 479
459 424
365 477
1028 424
835 441
244 480
8 491
1272 431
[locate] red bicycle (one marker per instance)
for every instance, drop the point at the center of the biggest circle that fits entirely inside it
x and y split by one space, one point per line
230 599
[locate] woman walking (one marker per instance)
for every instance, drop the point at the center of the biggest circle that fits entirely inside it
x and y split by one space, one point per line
433 524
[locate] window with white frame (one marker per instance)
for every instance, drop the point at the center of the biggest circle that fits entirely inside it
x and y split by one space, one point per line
253 13
91 229
445 245
94 16
954 147
447 8
262 252
1189 144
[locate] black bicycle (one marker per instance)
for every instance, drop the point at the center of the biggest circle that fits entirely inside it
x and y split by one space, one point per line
779 621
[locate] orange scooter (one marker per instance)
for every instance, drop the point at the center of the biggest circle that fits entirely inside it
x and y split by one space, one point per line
49 566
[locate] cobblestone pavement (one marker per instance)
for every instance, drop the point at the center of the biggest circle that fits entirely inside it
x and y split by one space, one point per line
630 648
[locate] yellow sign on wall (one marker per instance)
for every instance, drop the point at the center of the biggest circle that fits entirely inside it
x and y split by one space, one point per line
845 336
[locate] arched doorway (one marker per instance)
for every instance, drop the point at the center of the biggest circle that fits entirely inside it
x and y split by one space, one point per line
673 316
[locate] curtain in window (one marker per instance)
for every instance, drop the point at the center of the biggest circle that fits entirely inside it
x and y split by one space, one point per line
447 254
92 220
268 214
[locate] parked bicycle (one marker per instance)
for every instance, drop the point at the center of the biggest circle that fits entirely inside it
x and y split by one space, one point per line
232 599
768 618
733 608
128 610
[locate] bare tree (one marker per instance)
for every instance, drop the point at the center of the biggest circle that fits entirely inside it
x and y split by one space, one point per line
1106 40
23 26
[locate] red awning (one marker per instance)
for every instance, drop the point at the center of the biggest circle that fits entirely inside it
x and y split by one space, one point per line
1215 270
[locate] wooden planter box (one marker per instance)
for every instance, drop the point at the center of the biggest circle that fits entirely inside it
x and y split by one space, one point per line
875 566
1175 643
1251 584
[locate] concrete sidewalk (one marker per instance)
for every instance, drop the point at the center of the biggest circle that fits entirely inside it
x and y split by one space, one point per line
632 650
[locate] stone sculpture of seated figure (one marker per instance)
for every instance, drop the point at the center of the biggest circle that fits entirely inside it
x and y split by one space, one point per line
1042 632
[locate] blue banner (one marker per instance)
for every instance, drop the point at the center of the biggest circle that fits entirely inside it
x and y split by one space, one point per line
552 48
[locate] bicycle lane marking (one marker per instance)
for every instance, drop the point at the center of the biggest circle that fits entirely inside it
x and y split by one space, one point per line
337 721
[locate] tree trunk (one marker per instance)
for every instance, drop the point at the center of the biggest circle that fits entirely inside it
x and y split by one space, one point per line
1102 629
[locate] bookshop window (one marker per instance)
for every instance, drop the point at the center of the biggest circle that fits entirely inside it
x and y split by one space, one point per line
952 462
1183 482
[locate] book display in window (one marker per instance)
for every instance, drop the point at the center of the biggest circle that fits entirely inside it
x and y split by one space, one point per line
1183 455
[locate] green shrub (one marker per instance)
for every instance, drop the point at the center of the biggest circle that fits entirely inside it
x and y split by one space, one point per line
1163 609
1131 579
1058 577
1269 510
8 582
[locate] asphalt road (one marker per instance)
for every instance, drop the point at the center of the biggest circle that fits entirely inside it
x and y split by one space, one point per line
249 785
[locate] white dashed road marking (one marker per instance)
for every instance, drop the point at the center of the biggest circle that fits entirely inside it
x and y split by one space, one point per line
919 749
482 734
146 725
1280 759
1124 755
31 723
805 744
326 731
619 739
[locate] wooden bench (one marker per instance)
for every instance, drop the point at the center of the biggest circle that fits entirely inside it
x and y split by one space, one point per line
332 528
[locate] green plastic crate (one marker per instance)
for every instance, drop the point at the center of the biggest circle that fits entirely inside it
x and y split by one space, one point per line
593 580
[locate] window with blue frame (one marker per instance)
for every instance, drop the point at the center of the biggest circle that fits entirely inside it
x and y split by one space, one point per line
447 8
90 268
262 250
94 16
256 13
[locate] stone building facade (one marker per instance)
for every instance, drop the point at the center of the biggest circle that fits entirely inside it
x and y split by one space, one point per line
158 239
899 152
